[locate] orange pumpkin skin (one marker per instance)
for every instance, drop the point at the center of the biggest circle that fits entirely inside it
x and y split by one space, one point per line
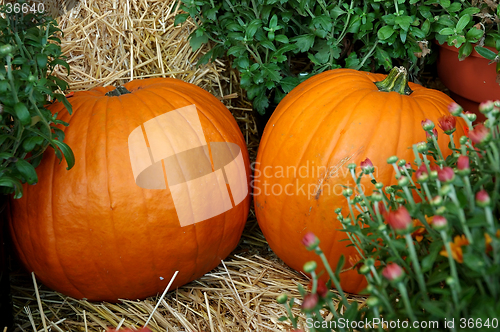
330 120
91 232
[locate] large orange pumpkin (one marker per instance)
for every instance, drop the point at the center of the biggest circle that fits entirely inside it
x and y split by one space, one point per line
330 120
160 184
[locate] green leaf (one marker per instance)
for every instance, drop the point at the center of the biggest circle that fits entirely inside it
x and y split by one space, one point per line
30 142
383 58
66 151
282 39
211 14
41 60
454 7
62 98
385 32
462 22
403 21
272 72
242 63
197 41
465 50
282 318
446 32
433 307
22 113
7 181
304 42
180 18
273 23
252 28
445 3
340 265
268 44
27 170
426 27
61 62
289 83
260 103
237 50
474 34
486 53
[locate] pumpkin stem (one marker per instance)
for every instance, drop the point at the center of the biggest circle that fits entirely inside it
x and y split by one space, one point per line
118 91
397 81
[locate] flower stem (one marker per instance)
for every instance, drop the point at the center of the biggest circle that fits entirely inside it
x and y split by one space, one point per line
406 300
456 287
461 215
416 265
334 279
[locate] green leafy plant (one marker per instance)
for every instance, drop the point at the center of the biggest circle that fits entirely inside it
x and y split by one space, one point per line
428 246
276 44
465 24
29 53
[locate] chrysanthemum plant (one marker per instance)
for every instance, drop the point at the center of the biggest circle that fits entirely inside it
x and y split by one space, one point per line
428 246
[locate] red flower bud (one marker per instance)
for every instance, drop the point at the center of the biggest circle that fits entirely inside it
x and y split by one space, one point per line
480 134
393 272
482 198
321 288
399 219
463 163
439 222
310 301
367 166
446 174
428 134
310 241
448 124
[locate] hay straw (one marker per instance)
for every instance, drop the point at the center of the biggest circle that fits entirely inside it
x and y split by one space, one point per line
108 43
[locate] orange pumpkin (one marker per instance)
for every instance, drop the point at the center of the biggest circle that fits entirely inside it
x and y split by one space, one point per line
160 184
330 120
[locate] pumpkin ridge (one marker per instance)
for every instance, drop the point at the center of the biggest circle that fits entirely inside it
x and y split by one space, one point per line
327 113
172 107
99 273
118 253
52 224
54 174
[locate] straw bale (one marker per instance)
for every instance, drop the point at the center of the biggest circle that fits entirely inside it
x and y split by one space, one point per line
109 42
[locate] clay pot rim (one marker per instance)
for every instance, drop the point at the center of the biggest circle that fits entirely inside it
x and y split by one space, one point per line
454 49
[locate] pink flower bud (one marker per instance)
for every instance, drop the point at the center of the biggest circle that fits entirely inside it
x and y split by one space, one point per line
427 125
480 134
367 166
310 301
399 219
310 241
455 109
429 134
393 272
446 174
448 124
439 222
486 106
482 198
463 163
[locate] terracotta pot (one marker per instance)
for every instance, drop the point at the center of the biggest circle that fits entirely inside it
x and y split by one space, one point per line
470 81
